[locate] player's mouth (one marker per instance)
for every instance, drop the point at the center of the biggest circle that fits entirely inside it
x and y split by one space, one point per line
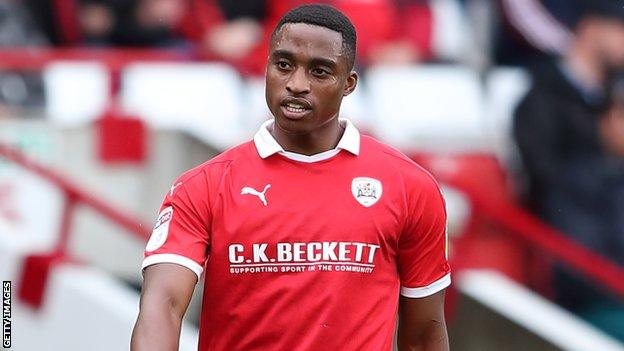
295 108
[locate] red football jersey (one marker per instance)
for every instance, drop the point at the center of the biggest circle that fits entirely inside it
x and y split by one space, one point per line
304 252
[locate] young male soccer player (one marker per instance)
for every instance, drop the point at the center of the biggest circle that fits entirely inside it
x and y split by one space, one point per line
311 235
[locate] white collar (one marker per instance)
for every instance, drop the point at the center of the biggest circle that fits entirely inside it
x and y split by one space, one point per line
267 145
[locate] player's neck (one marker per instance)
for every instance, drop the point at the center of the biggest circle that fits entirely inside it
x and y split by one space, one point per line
323 139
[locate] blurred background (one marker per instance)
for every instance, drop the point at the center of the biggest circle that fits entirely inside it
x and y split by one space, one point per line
516 106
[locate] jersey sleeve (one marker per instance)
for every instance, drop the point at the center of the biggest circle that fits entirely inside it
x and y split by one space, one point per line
180 234
423 265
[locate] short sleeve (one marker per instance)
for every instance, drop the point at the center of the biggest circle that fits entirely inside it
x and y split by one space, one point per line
180 234
423 265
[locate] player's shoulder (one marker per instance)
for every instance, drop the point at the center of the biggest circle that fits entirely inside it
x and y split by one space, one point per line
219 164
235 154
375 148
396 160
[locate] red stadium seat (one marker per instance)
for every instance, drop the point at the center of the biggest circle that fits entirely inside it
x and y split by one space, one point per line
482 245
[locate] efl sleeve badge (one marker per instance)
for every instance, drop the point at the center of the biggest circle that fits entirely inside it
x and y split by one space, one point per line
161 230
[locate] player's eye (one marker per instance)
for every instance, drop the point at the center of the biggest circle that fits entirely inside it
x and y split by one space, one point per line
282 65
320 72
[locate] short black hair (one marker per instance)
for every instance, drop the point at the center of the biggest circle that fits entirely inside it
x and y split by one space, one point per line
324 16
607 9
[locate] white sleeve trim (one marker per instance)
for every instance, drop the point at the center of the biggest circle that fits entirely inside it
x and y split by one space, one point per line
173 258
429 289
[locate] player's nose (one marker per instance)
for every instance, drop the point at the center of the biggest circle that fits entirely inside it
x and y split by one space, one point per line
298 82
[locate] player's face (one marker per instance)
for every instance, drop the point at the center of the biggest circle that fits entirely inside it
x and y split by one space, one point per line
307 76
613 43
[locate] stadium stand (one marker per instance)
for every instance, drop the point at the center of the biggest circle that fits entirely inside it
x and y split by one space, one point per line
448 114
520 311
482 181
202 99
504 87
65 81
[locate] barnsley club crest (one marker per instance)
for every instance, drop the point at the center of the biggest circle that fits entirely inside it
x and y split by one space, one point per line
366 191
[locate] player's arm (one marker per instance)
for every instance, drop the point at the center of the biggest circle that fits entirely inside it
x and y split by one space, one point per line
173 262
424 270
166 293
421 324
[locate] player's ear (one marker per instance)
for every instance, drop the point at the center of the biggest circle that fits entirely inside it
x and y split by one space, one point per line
350 84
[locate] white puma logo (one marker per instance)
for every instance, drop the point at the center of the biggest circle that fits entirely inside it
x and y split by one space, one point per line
252 191
173 188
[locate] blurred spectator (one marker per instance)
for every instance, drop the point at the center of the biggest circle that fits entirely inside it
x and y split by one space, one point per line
392 32
237 32
58 20
17 27
570 132
532 29
42 12
150 23
389 31
240 30
97 21
19 91
111 22
229 31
